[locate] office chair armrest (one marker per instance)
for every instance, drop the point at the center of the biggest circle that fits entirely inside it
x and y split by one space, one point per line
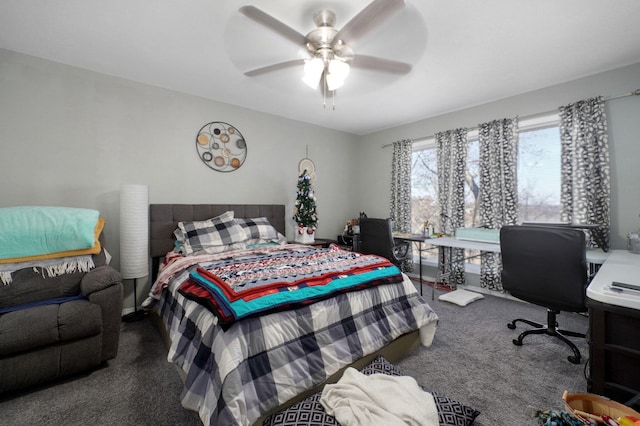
401 250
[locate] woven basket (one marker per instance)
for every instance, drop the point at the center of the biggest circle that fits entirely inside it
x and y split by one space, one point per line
585 406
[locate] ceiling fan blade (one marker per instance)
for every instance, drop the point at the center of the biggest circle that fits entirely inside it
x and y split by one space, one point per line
371 16
273 24
274 67
379 64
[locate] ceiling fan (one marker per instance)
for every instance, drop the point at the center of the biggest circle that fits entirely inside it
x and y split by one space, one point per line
329 55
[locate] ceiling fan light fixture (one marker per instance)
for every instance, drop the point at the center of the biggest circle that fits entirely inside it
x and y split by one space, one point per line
334 82
337 73
328 49
313 69
339 68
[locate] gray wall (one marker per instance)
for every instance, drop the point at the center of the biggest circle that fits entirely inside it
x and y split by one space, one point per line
70 137
624 139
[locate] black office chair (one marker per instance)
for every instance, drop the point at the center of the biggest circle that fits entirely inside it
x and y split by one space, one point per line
548 267
376 237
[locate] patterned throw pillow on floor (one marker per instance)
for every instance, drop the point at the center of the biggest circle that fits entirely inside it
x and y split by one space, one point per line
310 411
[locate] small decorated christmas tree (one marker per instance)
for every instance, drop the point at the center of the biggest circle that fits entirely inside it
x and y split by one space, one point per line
304 212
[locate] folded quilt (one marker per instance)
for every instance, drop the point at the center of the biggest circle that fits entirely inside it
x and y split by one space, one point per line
32 233
288 278
379 399
48 267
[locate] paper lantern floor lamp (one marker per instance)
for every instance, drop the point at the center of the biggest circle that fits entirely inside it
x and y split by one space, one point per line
134 239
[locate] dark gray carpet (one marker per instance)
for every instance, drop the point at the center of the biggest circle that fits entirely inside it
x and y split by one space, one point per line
472 359
138 387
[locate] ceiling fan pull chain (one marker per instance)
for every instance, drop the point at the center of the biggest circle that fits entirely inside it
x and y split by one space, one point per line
324 93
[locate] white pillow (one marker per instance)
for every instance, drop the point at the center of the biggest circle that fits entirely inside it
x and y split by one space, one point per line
460 297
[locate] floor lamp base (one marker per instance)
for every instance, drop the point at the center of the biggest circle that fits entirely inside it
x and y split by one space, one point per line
135 315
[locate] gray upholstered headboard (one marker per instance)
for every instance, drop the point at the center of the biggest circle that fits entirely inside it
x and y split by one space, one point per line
164 220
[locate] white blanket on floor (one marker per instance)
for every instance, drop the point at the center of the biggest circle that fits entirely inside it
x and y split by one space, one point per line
378 399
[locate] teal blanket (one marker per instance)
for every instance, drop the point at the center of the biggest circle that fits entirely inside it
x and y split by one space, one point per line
32 231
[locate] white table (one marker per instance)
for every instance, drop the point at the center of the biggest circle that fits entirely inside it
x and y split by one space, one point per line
414 238
614 324
595 256
453 242
621 266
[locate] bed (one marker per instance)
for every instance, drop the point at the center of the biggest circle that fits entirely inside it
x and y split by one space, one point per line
239 366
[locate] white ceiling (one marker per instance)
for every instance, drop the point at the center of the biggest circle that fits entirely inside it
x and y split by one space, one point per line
464 52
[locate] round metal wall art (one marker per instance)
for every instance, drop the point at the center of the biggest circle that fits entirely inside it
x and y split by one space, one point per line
221 146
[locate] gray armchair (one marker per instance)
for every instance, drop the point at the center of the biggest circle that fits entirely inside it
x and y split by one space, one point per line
67 324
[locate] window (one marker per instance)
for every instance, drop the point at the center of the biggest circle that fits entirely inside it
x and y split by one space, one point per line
472 184
538 175
424 191
424 185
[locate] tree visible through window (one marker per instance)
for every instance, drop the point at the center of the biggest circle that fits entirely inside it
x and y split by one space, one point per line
538 177
424 187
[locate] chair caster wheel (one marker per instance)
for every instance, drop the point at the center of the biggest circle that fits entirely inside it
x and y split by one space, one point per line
511 326
517 342
574 359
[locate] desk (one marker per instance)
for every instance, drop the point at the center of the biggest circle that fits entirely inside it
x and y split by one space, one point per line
595 256
415 238
446 246
452 242
614 330
622 266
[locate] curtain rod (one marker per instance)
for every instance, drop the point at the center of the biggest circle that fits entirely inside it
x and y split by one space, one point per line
610 98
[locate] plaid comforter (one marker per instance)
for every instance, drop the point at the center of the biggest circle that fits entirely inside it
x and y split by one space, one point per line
235 376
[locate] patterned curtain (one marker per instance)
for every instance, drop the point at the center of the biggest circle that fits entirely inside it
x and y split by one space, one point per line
452 162
585 189
498 188
401 191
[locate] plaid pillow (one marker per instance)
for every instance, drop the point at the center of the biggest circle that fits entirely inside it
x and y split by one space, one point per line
210 236
179 233
260 231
